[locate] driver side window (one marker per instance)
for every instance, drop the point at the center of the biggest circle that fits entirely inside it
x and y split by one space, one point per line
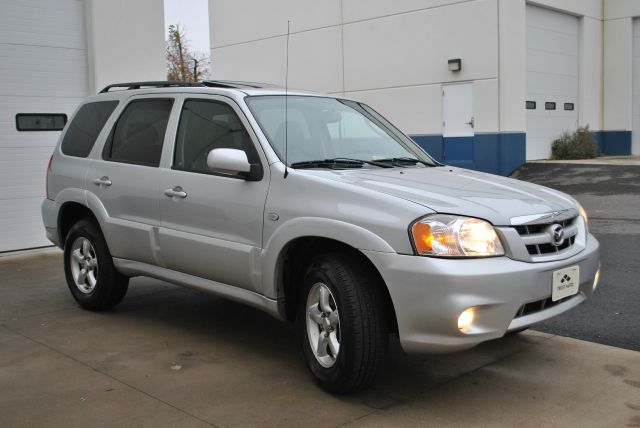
206 125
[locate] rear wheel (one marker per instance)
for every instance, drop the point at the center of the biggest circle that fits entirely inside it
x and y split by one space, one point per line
92 279
343 323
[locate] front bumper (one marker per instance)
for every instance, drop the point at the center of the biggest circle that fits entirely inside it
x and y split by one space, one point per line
429 294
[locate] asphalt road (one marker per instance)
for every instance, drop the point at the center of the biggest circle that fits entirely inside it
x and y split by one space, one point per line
611 196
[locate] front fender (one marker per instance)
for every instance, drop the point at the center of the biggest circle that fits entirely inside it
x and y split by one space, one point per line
350 234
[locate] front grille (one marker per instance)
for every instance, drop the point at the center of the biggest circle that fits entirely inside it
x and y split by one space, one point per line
539 305
538 238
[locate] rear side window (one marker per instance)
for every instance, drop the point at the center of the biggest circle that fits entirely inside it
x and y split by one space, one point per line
138 134
85 127
207 125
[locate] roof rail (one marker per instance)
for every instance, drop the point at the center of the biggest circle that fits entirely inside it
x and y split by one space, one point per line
235 84
150 84
175 83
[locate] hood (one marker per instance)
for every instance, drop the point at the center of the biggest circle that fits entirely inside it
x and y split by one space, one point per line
458 191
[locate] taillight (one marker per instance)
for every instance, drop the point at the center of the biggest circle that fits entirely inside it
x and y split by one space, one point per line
47 177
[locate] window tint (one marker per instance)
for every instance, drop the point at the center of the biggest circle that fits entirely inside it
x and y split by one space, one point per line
40 121
549 106
207 125
531 105
84 128
138 134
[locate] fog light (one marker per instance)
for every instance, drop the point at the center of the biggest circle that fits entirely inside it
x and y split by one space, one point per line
466 319
596 279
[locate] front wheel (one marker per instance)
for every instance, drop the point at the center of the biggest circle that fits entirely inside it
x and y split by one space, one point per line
92 279
343 323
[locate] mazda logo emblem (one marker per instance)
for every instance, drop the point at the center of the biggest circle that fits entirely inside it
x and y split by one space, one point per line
557 235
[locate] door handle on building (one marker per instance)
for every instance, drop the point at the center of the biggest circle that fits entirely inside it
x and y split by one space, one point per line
176 192
471 123
102 181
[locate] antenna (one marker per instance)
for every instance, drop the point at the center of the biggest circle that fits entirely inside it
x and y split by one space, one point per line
286 109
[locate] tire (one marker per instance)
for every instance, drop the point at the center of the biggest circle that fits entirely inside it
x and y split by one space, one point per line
341 297
101 286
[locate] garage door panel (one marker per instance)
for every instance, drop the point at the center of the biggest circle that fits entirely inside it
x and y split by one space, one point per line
547 19
50 23
552 76
21 226
552 62
43 64
24 171
43 71
550 41
556 84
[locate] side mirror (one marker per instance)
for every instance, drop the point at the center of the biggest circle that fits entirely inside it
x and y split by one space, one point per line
233 162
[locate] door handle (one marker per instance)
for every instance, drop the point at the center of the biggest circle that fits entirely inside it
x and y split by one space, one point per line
102 181
176 192
471 123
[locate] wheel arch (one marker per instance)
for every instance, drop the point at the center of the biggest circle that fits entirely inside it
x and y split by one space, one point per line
70 212
292 264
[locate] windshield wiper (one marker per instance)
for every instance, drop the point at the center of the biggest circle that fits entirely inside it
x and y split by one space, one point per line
404 161
338 163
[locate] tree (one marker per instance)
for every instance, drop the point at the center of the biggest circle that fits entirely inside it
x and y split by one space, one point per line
182 63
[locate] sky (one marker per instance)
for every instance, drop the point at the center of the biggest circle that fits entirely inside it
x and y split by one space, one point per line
193 17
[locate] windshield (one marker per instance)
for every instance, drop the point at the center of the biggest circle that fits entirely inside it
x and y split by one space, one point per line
327 128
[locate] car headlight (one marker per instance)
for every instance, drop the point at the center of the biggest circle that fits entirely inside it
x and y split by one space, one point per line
454 236
583 214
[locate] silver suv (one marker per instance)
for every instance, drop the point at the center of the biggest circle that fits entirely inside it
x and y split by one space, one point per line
314 209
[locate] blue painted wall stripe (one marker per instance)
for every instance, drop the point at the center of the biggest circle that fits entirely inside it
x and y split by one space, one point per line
496 153
613 143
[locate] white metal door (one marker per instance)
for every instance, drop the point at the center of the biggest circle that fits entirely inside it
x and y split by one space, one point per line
552 78
457 110
44 70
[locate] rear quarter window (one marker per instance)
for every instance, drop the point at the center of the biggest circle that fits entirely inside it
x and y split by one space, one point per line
85 128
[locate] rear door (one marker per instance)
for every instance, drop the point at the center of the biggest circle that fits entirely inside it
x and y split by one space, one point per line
126 178
213 230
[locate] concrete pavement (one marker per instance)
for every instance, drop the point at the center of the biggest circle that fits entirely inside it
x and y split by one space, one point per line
175 357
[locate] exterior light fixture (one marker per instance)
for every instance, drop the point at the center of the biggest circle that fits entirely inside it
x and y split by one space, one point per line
455 64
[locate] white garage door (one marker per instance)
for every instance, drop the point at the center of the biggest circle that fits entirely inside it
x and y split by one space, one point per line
552 78
43 64
635 142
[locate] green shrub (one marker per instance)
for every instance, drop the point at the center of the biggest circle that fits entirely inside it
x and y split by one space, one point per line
578 145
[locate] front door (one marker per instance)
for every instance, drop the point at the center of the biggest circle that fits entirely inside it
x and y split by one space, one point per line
211 224
458 124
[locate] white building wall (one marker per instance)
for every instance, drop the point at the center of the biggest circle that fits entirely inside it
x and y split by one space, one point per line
513 65
621 74
403 80
392 55
590 73
618 37
125 40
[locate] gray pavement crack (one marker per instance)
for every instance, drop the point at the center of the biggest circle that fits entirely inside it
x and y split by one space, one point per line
89 366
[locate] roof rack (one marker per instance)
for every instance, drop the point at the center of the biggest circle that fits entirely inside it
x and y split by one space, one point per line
176 83
235 84
151 84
